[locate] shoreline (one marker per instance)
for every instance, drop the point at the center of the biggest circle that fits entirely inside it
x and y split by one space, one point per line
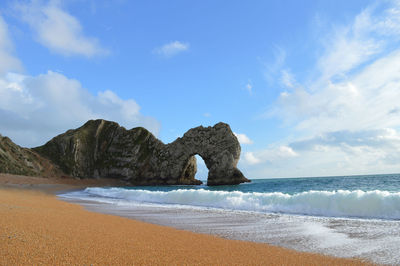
330 236
39 226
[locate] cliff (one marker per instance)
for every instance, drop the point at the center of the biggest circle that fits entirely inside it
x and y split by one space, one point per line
22 161
103 149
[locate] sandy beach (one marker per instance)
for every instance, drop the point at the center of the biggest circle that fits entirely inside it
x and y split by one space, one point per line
37 228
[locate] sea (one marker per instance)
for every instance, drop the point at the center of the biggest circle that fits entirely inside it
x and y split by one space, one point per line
343 216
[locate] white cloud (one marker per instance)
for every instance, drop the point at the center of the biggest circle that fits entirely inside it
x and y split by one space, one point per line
383 139
51 103
8 61
249 158
272 154
359 81
362 101
243 139
334 153
287 79
34 109
349 46
346 118
58 30
171 49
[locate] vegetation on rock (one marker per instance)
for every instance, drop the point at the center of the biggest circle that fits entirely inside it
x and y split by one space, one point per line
22 161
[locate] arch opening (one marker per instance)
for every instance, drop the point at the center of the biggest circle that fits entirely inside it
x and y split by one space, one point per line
202 170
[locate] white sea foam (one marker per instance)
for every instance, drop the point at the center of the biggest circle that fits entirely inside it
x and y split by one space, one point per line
341 203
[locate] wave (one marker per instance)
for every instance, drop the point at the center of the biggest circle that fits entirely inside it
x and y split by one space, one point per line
341 203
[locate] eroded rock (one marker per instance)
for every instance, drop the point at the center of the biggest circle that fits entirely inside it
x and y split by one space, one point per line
23 161
104 149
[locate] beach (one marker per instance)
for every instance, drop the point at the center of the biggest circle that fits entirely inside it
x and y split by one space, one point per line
38 228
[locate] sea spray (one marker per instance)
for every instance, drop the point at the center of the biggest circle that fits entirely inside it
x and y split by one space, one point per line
340 203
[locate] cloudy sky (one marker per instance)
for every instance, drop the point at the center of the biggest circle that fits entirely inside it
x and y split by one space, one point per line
310 88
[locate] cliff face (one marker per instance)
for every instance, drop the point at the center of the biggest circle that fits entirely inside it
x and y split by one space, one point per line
22 161
104 149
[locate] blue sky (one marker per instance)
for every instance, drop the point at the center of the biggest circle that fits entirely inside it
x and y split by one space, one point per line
311 88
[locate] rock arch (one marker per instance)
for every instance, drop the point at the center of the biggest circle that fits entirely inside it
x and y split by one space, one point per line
104 149
218 147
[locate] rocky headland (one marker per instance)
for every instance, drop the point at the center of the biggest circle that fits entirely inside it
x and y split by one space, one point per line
23 161
103 149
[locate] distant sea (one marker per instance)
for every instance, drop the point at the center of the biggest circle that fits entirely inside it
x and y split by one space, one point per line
346 216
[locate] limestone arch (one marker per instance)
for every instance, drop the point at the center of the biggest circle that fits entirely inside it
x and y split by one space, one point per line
220 150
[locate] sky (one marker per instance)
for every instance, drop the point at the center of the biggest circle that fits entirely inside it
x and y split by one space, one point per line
310 88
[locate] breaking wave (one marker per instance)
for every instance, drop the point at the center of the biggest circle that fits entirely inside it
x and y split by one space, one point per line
341 203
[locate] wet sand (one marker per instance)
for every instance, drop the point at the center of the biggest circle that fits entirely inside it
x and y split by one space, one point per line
37 228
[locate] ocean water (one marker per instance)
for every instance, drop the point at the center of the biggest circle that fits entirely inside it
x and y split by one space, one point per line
347 216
